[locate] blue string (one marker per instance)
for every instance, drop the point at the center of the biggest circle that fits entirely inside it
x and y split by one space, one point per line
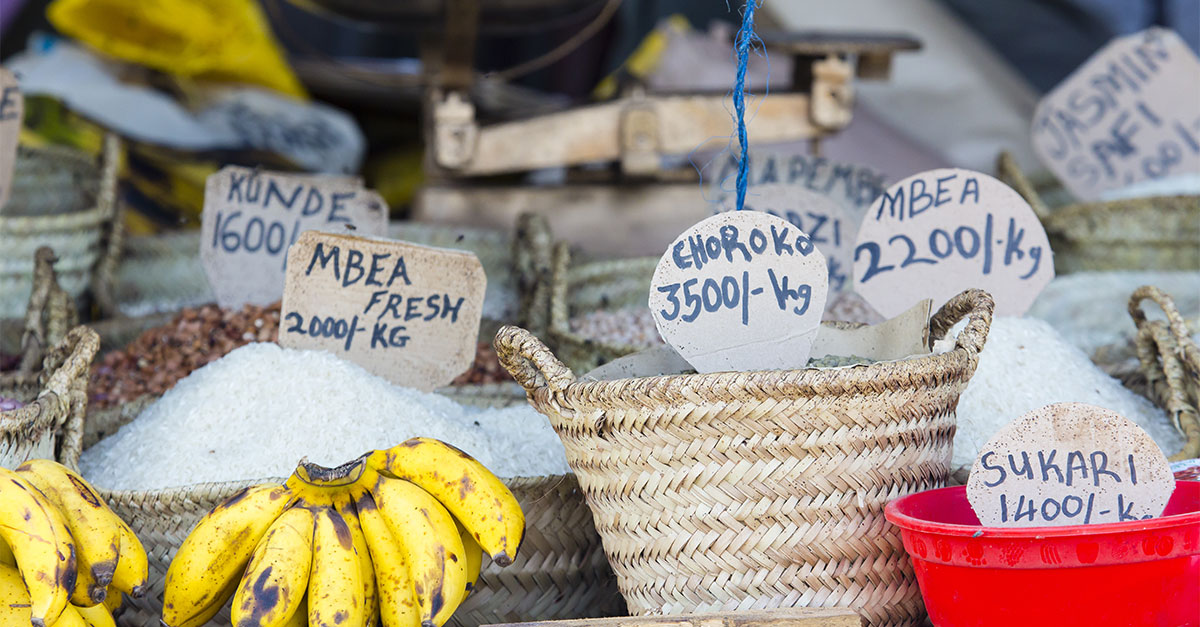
745 38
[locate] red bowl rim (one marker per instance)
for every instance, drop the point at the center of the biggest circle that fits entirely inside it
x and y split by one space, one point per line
910 523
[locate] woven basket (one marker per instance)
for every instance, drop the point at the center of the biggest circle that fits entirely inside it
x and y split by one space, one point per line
60 199
748 490
1151 233
57 403
160 274
1170 362
560 572
612 284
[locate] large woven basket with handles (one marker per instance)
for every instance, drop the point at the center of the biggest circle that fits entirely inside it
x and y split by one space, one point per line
747 490
560 571
1150 233
63 199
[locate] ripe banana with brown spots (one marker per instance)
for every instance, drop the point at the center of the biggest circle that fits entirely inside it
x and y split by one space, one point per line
476 497
210 562
397 595
273 586
93 526
335 587
431 544
41 545
346 508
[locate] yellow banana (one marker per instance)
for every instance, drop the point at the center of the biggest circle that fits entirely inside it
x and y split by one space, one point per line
346 508
211 560
276 579
93 526
474 555
70 617
112 599
335 587
133 566
397 596
6 555
480 501
300 616
97 616
42 545
432 547
15 605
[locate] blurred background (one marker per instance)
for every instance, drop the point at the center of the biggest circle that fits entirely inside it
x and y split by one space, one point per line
347 85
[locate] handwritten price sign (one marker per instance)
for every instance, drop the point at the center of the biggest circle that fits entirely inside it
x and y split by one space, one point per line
251 218
1128 114
1069 464
827 223
12 107
742 290
405 312
939 232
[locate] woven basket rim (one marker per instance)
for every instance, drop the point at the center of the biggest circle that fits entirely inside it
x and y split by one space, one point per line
555 383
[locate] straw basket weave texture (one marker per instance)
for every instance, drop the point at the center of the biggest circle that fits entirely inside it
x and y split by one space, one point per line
61 199
560 572
1170 362
748 490
1151 233
612 284
57 403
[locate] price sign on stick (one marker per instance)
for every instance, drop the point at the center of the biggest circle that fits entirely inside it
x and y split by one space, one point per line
939 232
251 217
829 224
1069 464
12 108
742 290
1128 114
405 312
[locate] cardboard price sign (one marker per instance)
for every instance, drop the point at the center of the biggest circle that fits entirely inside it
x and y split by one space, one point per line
251 217
853 186
742 290
1128 114
405 312
1069 464
937 233
12 112
827 223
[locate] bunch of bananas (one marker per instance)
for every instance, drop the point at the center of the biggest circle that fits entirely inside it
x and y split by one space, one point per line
394 537
65 557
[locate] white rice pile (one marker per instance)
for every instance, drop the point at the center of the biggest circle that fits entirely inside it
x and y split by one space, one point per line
1025 365
258 410
1090 309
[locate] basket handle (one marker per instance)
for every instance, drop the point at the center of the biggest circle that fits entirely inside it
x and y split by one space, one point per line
68 365
105 270
560 264
1010 173
529 361
977 306
1174 319
531 261
51 312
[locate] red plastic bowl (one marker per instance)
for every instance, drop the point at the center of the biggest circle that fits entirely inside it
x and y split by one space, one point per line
1131 573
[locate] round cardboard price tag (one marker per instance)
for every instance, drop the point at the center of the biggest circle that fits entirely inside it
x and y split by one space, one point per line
742 290
1069 464
937 233
830 225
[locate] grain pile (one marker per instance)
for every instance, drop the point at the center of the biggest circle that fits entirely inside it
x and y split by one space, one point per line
160 357
1025 365
254 413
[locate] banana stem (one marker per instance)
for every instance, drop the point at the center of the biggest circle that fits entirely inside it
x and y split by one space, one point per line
317 475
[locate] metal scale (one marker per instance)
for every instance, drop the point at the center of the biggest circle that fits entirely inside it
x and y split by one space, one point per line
634 206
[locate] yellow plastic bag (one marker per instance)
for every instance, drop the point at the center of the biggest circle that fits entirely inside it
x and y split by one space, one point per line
227 40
